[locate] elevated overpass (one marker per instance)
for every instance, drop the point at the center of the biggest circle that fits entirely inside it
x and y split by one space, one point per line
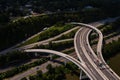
88 61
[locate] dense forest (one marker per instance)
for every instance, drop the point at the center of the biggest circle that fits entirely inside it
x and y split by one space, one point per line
10 8
12 32
17 31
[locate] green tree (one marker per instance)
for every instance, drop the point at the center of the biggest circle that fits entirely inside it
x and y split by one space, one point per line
39 73
24 78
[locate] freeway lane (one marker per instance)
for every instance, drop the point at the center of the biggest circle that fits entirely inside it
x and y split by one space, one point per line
83 58
107 71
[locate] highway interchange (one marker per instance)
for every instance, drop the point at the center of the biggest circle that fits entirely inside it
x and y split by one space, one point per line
93 65
96 59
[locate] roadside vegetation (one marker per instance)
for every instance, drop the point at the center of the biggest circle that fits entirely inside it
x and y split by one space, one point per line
50 32
68 36
16 56
111 49
111 27
56 46
114 63
64 72
13 57
22 68
109 30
